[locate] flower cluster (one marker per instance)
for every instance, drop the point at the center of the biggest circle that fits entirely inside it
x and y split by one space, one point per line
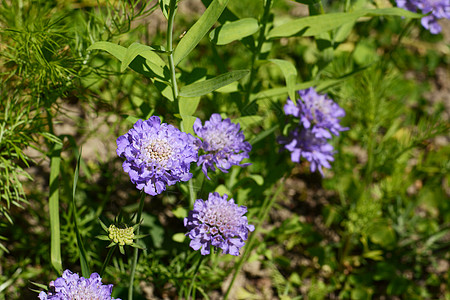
223 144
319 119
156 155
121 236
217 222
70 286
435 10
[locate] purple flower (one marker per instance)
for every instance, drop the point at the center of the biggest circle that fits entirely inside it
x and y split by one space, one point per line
218 222
70 286
318 112
436 9
223 144
156 155
303 143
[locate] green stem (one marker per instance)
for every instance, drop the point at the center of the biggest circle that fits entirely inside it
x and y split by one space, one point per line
171 17
257 52
267 205
191 286
107 259
136 250
192 193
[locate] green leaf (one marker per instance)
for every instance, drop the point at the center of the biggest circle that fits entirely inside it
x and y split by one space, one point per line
82 252
392 11
179 237
315 25
53 202
199 30
247 121
115 50
187 124
153 61
222 189
275 92
201 88
165 4
257 178
232 31
382 234
180 212
188 106
290 75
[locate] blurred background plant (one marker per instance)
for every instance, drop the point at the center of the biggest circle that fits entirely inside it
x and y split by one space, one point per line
375 226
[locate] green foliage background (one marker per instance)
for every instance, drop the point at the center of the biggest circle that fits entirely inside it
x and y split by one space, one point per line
377 225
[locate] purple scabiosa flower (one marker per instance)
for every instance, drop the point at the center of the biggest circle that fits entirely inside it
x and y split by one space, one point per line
70 286
218 222
156 155
223 144
318 112
436 9
304 143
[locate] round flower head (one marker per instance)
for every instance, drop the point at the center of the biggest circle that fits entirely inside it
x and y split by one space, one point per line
70 286
156 155
315 150
317 112
436 9
218 222
223 144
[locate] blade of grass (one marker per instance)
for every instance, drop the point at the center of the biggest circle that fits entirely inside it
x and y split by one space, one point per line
82 252
53 203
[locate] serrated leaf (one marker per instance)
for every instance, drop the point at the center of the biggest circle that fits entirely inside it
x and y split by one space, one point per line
201 88
199 30
290 75
115 50
232 31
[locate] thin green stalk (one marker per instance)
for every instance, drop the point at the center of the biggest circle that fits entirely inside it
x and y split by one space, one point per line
267 205
192 193
107 259
257 52
171 17
191 286
136 250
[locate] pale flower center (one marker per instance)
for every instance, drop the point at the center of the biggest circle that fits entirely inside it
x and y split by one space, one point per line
220 217
157 151
217 140
86 293
321 106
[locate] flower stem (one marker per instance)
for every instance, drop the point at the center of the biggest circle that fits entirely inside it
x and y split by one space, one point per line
191 286
257 51
267 205
107 259
171 17
136 250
